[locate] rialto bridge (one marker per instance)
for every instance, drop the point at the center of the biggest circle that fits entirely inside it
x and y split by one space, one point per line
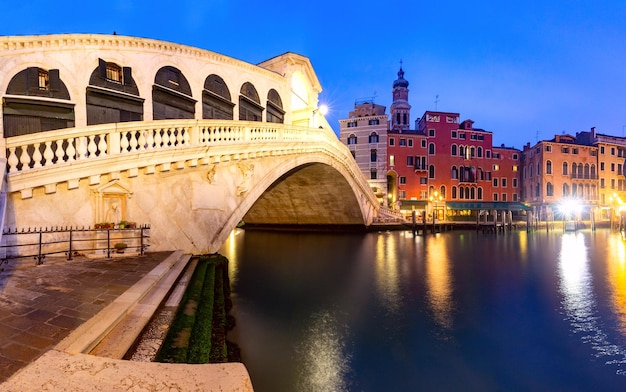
110 128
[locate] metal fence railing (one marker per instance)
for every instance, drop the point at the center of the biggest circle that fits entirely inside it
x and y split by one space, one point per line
71 242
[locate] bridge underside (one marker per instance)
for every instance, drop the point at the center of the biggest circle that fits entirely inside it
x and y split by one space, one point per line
309 195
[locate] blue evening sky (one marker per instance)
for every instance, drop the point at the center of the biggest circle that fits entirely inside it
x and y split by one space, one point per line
524 70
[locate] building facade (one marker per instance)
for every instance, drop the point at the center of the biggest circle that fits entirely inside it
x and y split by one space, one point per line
587 169
365 134
441 165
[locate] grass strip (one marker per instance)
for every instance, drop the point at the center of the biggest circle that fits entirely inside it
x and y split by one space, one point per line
200 340
175 345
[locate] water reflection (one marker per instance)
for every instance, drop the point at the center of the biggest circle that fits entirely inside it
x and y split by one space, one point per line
439 282
325 363
579 301
387 276
616 270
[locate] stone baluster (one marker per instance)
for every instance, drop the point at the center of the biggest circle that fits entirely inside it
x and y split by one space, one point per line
133 141
142 140
25 158
12 160
157 138
37 157
102 145
48 154
166 138
59 152
124 141
92 147
186 137
150 139
71 150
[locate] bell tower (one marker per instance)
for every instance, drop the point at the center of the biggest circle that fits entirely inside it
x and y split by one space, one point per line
400 109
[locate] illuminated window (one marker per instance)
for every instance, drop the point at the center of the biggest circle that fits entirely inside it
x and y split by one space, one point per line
392 160
114 73
497 167
44 80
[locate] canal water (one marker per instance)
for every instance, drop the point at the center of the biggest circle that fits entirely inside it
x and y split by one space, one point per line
453 311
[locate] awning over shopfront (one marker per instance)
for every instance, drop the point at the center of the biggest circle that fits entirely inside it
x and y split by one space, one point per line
488 205
413 204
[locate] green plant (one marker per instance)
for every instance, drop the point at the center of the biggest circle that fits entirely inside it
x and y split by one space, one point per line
120 246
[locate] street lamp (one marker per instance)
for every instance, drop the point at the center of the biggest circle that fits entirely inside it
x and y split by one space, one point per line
434 198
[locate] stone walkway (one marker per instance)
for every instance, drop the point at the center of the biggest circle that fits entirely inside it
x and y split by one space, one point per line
41 305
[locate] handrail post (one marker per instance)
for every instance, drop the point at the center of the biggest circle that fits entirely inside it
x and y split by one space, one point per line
108 243
69 254
40 247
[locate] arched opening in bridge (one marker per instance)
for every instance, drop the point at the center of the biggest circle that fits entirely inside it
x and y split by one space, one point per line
314 194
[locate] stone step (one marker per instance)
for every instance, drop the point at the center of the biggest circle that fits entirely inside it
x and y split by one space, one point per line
126 314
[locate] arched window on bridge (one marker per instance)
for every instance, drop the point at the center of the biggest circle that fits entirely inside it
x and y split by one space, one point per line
275 112
250 108
216 100
36 103
171 95
112 95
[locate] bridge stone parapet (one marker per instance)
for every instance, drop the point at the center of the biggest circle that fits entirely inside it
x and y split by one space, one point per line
193 181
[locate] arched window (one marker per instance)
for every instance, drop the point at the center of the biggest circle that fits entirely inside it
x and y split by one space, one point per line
564 168
431 171
480 152
472 151
480 193
461 192
548 167
40 106
549 189
574 190
431 149
352 139
454 192
462 151
105 104
171 95
593 171
373 155
580 171
587 169
216 99
574 170
472 193
250 108
455 173
537 190
373 137
454 150
565 190
275 112
442 191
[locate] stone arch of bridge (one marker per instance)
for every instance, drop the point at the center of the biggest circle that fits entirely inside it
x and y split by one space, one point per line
307 190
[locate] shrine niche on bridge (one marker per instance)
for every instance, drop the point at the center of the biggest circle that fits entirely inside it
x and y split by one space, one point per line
111 202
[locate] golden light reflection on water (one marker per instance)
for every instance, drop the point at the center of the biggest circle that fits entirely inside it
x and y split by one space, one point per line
439 281
387 270
579 300
616 270
325 362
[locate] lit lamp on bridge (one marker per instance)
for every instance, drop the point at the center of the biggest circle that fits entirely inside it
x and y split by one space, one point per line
322 109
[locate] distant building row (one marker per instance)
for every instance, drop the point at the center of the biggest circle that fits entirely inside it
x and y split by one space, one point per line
448 166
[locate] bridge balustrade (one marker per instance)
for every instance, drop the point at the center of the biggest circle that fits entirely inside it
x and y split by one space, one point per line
65 146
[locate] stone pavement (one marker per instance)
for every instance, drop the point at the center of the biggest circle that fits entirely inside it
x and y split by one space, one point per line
41 305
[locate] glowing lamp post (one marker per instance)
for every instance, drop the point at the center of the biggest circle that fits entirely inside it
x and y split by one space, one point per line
435 198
